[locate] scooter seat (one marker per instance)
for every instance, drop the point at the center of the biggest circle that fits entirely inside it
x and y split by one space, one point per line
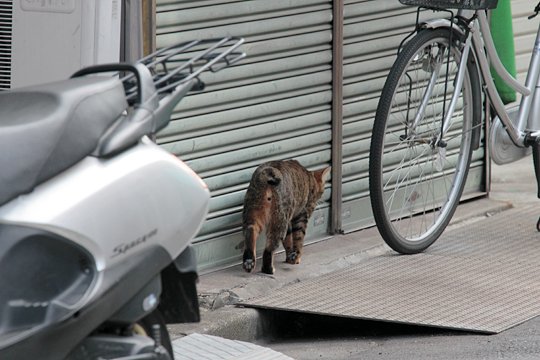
47 128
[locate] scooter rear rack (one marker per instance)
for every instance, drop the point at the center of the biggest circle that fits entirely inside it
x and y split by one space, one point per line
180 63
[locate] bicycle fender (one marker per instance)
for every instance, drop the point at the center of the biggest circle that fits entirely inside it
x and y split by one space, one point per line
439 23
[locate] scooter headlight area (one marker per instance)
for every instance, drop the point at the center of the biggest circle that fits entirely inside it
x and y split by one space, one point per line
44 278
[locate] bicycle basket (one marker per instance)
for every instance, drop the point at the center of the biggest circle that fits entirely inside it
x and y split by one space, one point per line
453 4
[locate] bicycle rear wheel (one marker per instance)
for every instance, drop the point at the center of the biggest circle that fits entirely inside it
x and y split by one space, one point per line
416 181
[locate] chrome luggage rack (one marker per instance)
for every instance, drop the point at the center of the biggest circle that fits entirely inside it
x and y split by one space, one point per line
173 66
178 64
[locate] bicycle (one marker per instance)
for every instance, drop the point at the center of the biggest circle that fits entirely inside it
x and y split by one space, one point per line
429 121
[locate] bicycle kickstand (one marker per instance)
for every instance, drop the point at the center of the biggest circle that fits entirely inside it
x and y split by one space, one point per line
535 144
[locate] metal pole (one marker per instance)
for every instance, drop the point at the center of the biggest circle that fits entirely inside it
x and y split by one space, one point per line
149 26
337 115
138 29
131 31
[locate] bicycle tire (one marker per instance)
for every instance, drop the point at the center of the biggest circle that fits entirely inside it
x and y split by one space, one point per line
414 197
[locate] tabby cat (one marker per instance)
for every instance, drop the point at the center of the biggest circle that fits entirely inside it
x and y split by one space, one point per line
280 198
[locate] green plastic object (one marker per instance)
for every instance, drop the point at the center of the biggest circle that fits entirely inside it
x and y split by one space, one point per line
503 36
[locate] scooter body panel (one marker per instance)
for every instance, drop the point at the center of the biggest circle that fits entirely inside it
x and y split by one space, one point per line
97 238
118 206
141 201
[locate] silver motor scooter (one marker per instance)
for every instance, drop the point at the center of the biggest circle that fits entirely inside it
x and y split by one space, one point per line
96 220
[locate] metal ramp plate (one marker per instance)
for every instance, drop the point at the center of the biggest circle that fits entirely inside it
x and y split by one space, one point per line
482 277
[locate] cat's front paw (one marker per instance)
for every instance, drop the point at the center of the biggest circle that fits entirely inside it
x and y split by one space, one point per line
293 258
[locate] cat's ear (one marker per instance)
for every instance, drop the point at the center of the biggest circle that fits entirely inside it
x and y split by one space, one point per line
322 174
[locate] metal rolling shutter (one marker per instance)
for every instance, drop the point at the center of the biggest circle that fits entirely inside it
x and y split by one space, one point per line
373 31
276 104
6 29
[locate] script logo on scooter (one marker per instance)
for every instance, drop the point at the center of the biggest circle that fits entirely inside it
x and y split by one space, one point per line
125 247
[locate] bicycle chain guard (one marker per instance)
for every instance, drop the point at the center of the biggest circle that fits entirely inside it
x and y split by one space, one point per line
502 149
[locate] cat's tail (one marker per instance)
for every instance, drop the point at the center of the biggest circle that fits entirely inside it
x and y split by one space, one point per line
270 175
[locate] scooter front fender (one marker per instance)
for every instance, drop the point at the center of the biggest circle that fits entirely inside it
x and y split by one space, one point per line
179 302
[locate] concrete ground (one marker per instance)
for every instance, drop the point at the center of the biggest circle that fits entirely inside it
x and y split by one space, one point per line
513 185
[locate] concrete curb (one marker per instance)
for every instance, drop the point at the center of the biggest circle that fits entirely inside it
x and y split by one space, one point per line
230 322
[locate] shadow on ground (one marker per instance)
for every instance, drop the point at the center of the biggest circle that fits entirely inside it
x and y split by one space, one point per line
284 325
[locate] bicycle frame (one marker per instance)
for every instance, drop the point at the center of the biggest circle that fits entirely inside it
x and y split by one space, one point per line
479 37
525 123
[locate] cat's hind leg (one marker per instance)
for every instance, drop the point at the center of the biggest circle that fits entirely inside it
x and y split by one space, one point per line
251 233
288 242
298 230
255 217
275 233
268 260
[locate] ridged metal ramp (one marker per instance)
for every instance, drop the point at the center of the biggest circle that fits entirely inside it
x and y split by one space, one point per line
482 277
